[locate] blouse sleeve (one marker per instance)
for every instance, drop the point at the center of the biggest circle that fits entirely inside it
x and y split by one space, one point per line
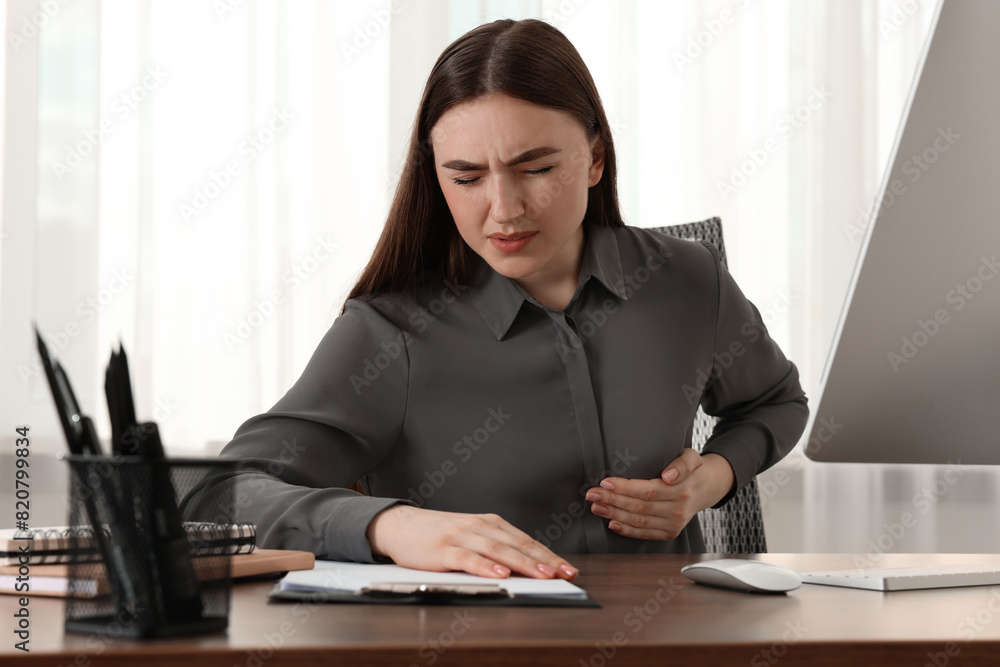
752 388
336 423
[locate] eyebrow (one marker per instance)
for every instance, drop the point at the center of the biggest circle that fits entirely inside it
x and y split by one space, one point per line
526 156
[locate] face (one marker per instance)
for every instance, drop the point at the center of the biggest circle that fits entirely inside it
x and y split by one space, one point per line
516 176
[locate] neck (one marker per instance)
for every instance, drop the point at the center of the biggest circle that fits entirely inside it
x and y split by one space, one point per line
555 285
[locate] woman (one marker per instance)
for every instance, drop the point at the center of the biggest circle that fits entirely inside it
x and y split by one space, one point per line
516 372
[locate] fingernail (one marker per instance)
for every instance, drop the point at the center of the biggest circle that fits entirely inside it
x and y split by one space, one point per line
614 525
569 570
547 570
608 484
501 570
670 475
593 496
599 510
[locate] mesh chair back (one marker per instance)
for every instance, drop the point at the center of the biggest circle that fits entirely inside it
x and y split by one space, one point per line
738 527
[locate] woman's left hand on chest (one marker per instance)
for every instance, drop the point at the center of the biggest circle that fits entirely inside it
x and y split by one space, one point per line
658 509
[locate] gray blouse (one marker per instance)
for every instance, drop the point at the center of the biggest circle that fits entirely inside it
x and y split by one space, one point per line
477 398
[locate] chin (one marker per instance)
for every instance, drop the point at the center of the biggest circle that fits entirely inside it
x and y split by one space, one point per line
512 267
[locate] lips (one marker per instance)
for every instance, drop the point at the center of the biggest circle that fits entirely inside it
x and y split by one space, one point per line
511 242
511 237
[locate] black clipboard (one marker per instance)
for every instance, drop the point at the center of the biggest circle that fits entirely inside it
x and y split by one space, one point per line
463 595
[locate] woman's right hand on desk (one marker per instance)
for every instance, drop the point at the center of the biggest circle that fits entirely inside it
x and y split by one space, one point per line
480 544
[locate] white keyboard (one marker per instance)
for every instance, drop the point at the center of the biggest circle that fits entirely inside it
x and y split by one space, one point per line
907 578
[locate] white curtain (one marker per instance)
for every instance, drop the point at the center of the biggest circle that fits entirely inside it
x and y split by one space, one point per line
210 176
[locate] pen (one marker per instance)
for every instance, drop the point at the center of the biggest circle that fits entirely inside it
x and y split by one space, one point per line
149 490
81 437
66 406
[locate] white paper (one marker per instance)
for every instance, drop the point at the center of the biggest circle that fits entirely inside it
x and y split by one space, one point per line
352 577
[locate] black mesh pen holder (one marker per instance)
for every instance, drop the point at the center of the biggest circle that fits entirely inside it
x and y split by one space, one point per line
150 544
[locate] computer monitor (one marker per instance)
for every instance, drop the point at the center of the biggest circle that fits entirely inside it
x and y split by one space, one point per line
914 373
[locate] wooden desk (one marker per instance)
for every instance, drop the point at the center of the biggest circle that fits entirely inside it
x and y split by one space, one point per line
651 616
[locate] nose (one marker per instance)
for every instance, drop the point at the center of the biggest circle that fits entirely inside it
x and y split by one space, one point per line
507 202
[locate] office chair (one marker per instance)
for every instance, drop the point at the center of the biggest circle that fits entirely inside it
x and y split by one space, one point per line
739 526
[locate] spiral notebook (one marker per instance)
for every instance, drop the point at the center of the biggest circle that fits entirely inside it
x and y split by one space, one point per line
53 544
53 580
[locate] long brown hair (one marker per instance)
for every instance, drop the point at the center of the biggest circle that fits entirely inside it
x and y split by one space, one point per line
527 59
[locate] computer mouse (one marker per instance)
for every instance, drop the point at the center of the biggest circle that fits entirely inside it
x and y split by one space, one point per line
743 575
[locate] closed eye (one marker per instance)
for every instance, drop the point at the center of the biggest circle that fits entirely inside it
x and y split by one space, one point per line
466 181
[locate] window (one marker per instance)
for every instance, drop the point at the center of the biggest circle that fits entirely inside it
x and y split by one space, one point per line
209 177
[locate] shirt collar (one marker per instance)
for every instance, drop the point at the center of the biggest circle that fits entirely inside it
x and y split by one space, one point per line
602 260
499 299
